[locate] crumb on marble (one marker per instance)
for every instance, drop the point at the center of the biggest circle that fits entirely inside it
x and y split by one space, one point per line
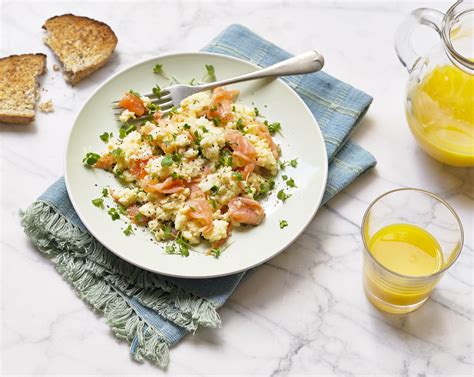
56 67
46 106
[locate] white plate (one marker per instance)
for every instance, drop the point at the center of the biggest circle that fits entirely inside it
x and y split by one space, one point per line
250 246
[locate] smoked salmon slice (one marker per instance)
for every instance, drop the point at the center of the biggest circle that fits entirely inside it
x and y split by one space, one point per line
263 132
200 209
221 104
246 211
168 186
132 103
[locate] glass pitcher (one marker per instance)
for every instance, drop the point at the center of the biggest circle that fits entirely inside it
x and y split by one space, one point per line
439 101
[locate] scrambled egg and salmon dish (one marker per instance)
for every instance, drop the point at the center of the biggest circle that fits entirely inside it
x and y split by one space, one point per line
194 174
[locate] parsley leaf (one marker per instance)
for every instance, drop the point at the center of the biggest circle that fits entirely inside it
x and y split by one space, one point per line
157 91
211 73
128 230
216 251
282 195
240 125
91 158
273 127
99 202
167 161
283 224
158 68
237 175
117 153
106 136
257 113
136 94
126 129
105 192
214 190
113 214
291 183
294 163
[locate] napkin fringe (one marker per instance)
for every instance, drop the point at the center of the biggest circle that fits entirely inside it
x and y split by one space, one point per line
44 225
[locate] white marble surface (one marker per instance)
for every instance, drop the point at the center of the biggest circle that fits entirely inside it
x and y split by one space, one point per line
304 312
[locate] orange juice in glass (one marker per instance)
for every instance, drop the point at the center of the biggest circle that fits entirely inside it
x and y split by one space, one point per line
411 237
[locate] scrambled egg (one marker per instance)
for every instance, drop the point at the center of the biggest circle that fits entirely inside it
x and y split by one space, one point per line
182 173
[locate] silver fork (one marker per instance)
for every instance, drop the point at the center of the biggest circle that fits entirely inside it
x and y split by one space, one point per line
307 62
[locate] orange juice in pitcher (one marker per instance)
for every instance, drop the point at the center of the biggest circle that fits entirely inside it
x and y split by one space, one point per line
440 93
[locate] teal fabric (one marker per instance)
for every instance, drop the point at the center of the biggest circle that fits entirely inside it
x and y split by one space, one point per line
337 106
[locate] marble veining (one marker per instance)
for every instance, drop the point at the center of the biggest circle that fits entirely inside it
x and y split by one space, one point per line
304 312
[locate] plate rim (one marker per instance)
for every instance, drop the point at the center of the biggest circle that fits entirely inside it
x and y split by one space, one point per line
75 205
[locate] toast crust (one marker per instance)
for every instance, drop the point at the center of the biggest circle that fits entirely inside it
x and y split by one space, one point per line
19 87
81 44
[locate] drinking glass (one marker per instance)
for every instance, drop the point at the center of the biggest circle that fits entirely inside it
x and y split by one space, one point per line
392 291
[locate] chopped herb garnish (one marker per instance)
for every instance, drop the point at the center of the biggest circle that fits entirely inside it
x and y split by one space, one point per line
167 232
204 129
117 153
158 68
266 187
237 175
105 192
283 224
282 195
91 158
257 113
183 246
173 111
197 137
273 127
186 126
99 202
170 249
152 107
292 163
136 94
126 129
225 158
211 73
217 122
139 217
113 214
167 161
177 157
233 108
214 190
291 183
240 125
122 209
285 177
157 91
105 137
175 175
216 251
128 230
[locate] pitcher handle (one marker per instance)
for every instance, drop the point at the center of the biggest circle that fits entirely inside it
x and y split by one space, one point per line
403 46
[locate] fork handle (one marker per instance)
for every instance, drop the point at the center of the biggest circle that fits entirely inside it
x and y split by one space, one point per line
307 62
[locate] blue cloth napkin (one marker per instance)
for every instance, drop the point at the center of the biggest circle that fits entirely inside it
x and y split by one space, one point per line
154 312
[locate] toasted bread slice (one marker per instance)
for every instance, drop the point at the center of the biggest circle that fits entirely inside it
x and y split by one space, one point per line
19 86
81 44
